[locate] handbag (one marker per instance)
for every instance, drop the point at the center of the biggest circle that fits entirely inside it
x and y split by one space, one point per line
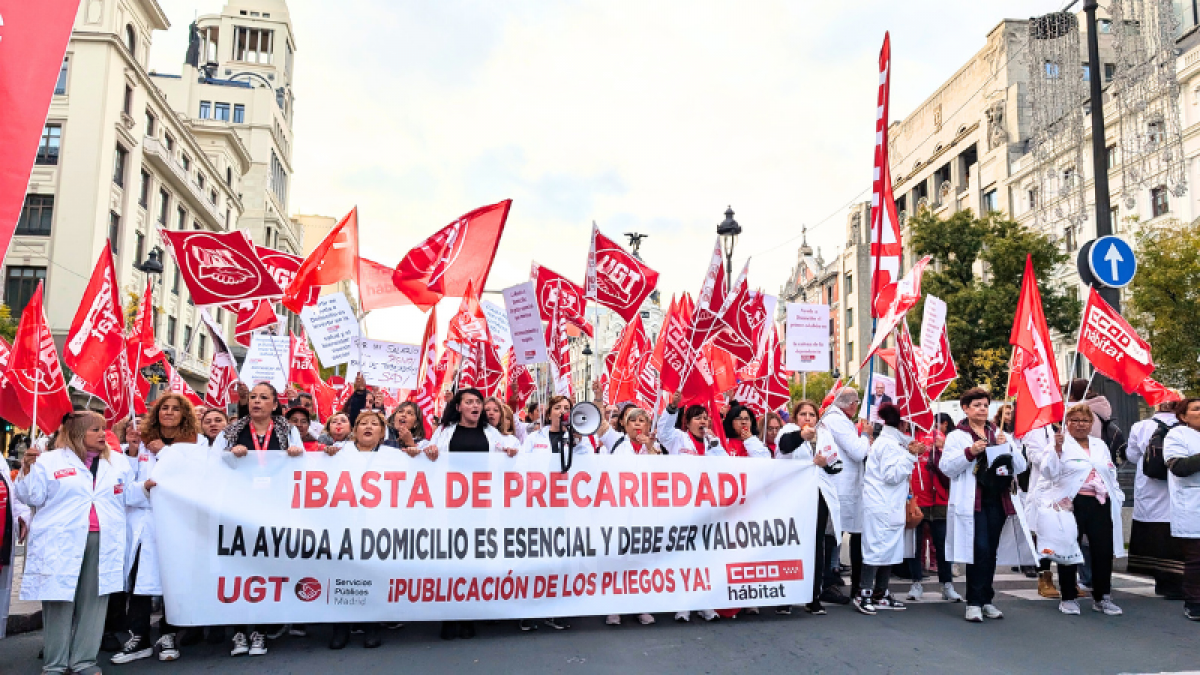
912 514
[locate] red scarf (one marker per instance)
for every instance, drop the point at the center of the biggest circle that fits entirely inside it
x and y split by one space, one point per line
736 447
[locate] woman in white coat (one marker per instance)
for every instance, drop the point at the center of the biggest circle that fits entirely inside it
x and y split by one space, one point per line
1080 477
690 433
984 519
551 436
885 493
1181 450
14 524
464 428
76 550
635 438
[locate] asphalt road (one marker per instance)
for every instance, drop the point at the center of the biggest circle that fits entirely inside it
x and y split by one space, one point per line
927 638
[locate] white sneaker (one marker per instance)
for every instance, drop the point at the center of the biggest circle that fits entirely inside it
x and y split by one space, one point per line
916 591
709 615
240 646
683 616
1107 606
613 620
166 648
258 644
974 614
949 594
646 619
992 612
1069 607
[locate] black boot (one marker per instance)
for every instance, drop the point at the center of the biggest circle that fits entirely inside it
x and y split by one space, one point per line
371 636
449 630
341 635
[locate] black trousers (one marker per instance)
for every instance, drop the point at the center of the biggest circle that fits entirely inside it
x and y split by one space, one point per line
1191 572
822 551
856 562
140 606
1095 521
989 523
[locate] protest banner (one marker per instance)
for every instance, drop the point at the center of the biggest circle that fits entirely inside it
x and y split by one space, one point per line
525 323
385 364
332 327
267 360
386 537
497 321
807 338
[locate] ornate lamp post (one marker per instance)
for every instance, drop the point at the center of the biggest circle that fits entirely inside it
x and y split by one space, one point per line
728 231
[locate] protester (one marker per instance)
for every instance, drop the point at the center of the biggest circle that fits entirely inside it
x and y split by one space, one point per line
76 548
772 424
635 437
500 416
14 525
1152 549
1037 444
741 430
129 433
836 430
931 489
1182 453
553 437
305 400
212 423
337 429
300 419
408 433
981 506
687 434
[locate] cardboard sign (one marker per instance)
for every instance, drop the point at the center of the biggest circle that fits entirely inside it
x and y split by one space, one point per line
332 327
807 338
525 324
385 364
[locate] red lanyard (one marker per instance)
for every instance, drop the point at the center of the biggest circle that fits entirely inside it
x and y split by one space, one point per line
266 438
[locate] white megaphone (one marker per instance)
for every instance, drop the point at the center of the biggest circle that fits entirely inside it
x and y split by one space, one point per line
585 418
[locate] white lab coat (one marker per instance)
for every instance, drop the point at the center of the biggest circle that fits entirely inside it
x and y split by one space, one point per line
61 490
679 442
21 513
826 483
1181 442
885 490
539 442
139 524
835 430
497 441
1151 496
1016 545
622 445
1037 443
1065 474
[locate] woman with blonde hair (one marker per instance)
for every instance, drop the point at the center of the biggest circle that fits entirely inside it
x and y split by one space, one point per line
635 437
76 548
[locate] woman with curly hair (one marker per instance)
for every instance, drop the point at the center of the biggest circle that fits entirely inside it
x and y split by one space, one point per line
408 433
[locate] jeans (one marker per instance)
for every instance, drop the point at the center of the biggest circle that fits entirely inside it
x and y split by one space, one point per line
937 531
875 580
1094 520
989 523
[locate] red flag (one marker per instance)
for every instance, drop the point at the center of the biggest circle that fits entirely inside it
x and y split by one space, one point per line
469 324
825 402
456 257
252 316
676 348
632 351
906 296
330 262
324 396
910 398
556 292
769 389
1155 393
1039 395
97 334
375 287
446 365
520 382
490 371
10 405
468 375
33 369
941 369
707 322
116 389
563 385
724 370
283 267
143 332
220 267
745 317
650 382
343 394
1112 346
426 394
616 279
885 224
34 36
302 363
140 385
177 385
222 370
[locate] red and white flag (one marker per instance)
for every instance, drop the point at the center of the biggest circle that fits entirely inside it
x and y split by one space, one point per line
558 293
906 296
885 224
447 364
220 267
143 332
375 287
1155 393
941 368
324 396
710 304
910 396
650 385
33 369
454 258
97 335
283 267
177 385
561 356
251 316
117 390
222 372
489 370
520 381
426 393
33 38
616 279
632 351
302 362
830 395
469 324
769 389
333 260
744 314
1039 394
10 404
1112 346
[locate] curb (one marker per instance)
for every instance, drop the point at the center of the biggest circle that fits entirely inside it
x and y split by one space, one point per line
24 623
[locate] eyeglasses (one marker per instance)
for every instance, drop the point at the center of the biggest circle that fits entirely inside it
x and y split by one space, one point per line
1079 420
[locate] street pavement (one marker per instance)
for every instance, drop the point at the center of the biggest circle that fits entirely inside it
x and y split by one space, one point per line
929 637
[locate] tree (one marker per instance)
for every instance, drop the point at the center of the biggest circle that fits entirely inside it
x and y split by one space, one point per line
815 385
979 312
8 324
1163 300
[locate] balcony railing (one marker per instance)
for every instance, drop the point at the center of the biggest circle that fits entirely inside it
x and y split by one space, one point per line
154 148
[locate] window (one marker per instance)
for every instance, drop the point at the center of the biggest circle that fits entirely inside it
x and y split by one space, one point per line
200 180
849 285
1087 73
850 351
202 352
180 218
1105 26
1110 69
128 105
1111 157
278 179
239 113
114 230
187 337
150 120
212 197
991 201
229 176
36 215
170 141
252 45
187 162
849 317
1051 70
164 206
144 190
131 40
205 109
48 148
60 87
1159 203
1069 239
119 166
19 286
227 218
222 112
175 282
139 247
171 330
1032 195
1154 133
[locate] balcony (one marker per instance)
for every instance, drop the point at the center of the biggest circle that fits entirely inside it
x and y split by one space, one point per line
161 158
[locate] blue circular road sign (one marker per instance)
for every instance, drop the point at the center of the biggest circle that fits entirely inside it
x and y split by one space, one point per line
1111 261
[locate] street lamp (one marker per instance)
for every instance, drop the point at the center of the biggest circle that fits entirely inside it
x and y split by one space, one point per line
153 263
728 231
587 385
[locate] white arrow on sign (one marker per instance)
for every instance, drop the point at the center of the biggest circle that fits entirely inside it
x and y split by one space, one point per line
1113 256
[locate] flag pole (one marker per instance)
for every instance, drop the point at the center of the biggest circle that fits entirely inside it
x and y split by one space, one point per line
767 390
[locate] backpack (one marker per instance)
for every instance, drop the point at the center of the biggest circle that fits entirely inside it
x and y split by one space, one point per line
1153 463
1114 438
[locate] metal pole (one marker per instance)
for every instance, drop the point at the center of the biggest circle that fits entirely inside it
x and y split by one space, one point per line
1099 147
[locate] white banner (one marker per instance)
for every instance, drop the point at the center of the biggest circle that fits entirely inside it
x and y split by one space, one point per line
807 338
387 537
332 327
384 364
267 360
497 321
525 323
933 321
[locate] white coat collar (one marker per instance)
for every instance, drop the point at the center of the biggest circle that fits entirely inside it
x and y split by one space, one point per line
896 435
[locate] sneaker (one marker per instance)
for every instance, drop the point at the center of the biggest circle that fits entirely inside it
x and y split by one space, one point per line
277 632
613 620
784 610
709 615
949 594
1107 606
815 608
1191 612
889 602
136 647
916 591
166 648
240 646
833 596
645 619
683 617
974 614
298 630
864 604
752 610
527 625
1070 607
557 623
992 612
258 644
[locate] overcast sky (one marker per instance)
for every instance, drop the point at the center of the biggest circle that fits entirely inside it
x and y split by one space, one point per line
646 116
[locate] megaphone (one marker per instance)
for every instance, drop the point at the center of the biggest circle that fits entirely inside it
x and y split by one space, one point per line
585 418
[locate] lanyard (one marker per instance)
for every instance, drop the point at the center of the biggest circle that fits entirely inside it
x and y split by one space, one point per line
266 438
